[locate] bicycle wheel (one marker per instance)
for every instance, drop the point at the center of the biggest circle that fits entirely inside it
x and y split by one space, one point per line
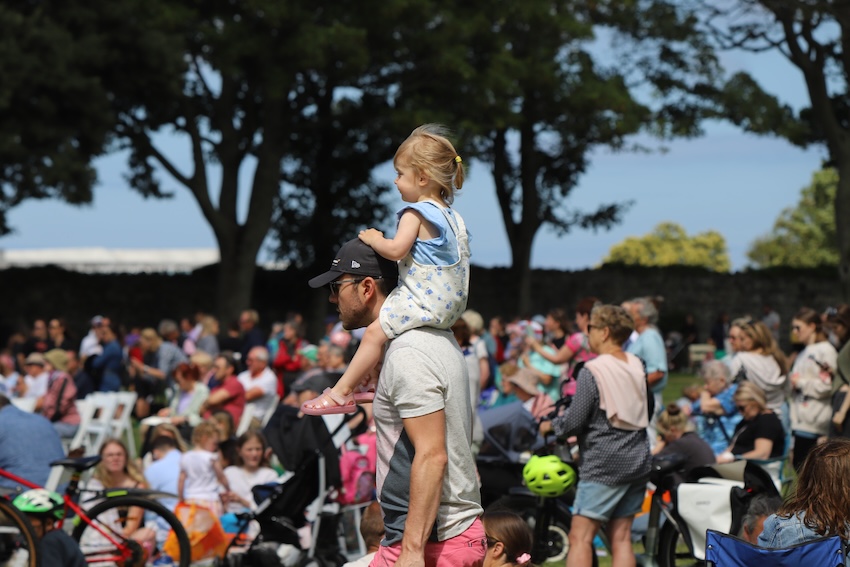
141 548
17 539
672 549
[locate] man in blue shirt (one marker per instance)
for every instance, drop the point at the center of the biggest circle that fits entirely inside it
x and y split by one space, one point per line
649 347
28 444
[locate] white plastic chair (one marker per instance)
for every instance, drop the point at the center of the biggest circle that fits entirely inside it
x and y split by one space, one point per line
95 422
248 415
271 410
86 411
245 421
120 423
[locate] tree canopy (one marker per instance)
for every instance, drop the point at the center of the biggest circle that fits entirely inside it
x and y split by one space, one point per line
803 236
813 36
536 86
286 94
290 106
669 245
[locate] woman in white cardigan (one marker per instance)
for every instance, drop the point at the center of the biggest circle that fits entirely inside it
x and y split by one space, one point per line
811 380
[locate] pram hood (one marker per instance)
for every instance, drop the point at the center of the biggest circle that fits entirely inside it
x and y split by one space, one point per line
295 440
509 431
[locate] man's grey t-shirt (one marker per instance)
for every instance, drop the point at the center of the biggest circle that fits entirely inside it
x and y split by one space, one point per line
423 372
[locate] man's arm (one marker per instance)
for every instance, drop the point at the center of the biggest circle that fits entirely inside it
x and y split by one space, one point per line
654 377
427 433
217 398
254 393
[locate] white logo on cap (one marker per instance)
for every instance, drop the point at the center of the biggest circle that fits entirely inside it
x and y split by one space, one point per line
355 264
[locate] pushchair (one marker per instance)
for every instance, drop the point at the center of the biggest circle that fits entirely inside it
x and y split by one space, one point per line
305 447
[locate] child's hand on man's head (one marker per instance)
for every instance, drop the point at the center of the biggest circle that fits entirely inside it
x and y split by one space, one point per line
369 235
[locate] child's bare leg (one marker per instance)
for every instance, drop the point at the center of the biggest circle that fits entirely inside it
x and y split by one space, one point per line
368 355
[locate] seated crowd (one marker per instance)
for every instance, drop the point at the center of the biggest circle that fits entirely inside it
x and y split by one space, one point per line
197 387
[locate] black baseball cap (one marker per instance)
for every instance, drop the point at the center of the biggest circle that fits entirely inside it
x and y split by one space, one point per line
358 259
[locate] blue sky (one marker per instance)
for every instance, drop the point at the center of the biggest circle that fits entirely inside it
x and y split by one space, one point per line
728 181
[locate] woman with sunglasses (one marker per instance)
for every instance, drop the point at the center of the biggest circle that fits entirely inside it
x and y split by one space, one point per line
811 382
609 414
759 435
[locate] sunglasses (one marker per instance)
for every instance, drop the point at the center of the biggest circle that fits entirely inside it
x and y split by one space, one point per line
335 286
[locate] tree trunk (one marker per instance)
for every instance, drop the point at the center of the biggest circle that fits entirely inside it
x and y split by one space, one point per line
236 273
842 226
521 267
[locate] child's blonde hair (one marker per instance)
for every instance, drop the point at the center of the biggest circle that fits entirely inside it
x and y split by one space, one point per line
202 431
428 151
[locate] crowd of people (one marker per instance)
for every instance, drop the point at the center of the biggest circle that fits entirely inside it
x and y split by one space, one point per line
425 369
755 402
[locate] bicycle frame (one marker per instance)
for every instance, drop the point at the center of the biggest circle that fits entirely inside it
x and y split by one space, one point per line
68 497
658 506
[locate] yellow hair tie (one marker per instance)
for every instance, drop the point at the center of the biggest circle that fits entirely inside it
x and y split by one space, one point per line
457 159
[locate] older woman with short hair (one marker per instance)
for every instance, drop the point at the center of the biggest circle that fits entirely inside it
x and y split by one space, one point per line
609 414
714 412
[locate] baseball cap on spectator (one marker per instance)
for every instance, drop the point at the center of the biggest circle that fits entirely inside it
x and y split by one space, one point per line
96 320
57 358
312 381
525 380
358 259
310 352
35 358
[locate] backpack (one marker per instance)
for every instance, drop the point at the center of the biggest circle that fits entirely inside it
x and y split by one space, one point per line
358 477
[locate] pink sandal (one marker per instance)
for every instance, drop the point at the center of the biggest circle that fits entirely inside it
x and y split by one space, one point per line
365 394
329 403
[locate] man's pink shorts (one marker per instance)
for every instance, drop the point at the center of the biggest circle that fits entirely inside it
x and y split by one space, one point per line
465 550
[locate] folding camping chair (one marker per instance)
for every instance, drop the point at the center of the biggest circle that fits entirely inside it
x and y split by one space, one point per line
723 550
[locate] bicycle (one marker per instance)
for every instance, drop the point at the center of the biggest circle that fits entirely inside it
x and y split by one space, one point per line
17 539
99 530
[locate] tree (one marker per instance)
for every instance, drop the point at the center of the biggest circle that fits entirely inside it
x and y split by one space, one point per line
803 236
309 97
287 92
669 245
54 116
812 35
534 96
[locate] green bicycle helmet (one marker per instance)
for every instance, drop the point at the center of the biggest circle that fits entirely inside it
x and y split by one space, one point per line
548 476
40 501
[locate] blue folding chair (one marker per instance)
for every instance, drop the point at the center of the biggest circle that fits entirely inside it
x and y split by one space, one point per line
723 550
